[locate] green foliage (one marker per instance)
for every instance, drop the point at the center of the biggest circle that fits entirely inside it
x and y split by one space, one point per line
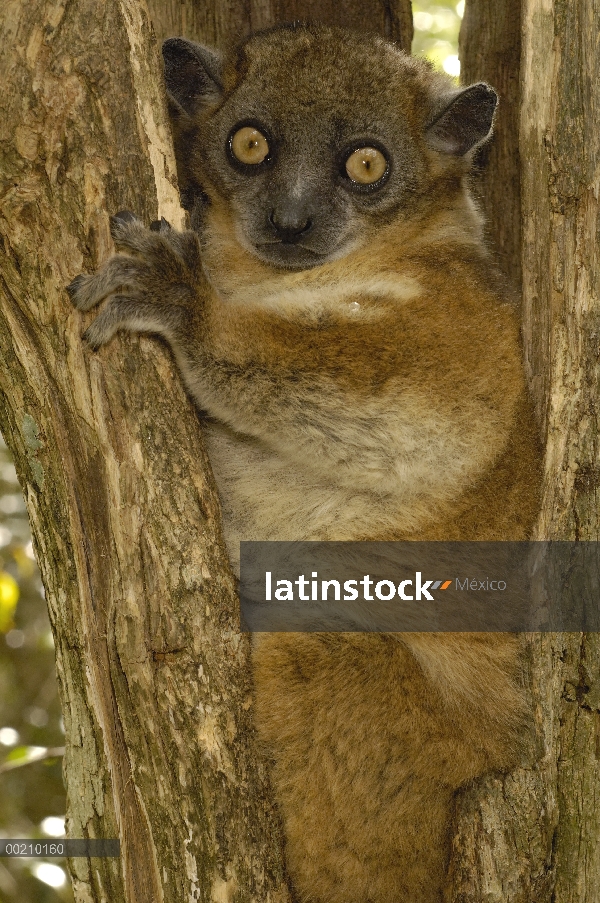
31 787
9 596
436 32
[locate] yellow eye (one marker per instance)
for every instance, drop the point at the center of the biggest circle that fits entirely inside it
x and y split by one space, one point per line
249 145
366 165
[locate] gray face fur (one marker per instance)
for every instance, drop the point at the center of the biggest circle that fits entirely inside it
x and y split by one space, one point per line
317 95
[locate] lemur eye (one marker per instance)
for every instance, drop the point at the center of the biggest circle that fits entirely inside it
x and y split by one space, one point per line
366 165
249 146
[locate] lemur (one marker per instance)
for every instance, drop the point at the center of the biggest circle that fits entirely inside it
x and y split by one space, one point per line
338 321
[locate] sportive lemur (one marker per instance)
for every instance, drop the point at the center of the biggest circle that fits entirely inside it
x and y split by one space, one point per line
337 319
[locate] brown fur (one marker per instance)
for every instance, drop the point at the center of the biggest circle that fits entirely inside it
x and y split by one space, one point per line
376 394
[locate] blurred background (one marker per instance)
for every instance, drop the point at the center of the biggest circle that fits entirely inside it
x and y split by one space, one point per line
436 33
32 796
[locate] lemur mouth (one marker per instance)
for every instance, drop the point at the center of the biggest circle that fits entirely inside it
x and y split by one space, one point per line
289 255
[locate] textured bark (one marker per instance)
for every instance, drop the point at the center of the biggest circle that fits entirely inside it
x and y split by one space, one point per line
560 145
390 18
490 50
151 664
220 24
535 835
217 24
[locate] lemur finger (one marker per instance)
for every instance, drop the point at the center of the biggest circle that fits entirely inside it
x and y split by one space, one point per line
160 225
122 219
125 216
120 272
162 246
106 323
127 231
136 315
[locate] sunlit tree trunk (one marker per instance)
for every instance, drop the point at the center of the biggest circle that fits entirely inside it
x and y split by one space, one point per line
535 834
151 663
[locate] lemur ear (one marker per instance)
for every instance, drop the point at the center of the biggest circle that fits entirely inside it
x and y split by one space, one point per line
465 120
192 74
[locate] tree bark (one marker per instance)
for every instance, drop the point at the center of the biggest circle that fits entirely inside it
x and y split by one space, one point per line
561 292
220 24
490 50
208 21
392 19
151 663
535 834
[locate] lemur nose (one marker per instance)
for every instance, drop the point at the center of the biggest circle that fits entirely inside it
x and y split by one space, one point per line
290 225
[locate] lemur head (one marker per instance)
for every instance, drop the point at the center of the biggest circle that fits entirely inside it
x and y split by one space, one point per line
314 136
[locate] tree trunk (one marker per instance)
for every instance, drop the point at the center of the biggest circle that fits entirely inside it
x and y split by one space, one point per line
151 663
153 670
535 834
490 50
218 24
